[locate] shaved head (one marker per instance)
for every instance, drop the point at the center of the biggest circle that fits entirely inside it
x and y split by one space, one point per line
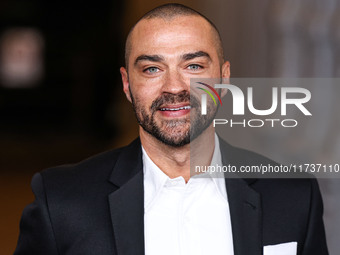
168 12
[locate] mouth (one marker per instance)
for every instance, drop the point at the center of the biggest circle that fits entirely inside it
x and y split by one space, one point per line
174 110
187 107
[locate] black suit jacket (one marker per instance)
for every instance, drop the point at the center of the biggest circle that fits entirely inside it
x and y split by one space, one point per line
97 207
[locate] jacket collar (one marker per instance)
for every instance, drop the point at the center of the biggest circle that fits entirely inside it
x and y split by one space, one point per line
128 164
235 157
244 204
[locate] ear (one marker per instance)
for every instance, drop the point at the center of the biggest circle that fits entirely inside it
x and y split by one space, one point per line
225 76
126 85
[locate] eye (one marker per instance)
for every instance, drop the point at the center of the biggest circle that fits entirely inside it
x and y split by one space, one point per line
151 70
194 67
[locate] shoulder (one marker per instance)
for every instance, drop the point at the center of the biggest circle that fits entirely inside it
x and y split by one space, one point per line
288 189
305 185
97 166
91 173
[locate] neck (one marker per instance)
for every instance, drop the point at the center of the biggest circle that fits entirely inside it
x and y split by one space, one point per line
175 161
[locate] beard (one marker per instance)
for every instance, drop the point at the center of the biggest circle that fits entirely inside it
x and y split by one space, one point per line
175 132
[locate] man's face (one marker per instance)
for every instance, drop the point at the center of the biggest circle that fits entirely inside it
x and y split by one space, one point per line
164 55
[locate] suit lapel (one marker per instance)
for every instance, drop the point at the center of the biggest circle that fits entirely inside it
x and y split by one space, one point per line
245 213
245 207
127 203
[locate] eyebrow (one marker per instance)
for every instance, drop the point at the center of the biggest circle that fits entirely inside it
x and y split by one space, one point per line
152 58
197 54
158 58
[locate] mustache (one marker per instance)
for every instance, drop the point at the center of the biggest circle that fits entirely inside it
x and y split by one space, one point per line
182 97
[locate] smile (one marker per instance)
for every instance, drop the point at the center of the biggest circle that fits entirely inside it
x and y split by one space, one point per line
176 109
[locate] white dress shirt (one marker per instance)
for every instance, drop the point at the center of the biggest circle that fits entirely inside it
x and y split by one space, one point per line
186 218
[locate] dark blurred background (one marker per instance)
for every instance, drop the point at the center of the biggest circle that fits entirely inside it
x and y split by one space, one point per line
61 97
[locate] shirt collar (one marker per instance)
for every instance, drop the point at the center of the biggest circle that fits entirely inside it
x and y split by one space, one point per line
155 179
218 177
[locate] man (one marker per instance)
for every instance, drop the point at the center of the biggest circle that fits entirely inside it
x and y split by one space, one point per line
141 199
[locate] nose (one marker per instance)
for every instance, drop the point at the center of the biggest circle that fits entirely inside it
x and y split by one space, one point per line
175 83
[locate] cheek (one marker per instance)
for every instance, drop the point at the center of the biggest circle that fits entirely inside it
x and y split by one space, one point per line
145 88
144 94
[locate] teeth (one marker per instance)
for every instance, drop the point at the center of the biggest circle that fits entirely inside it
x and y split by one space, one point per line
176 109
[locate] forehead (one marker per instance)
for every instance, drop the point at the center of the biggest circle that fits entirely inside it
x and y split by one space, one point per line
172 37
